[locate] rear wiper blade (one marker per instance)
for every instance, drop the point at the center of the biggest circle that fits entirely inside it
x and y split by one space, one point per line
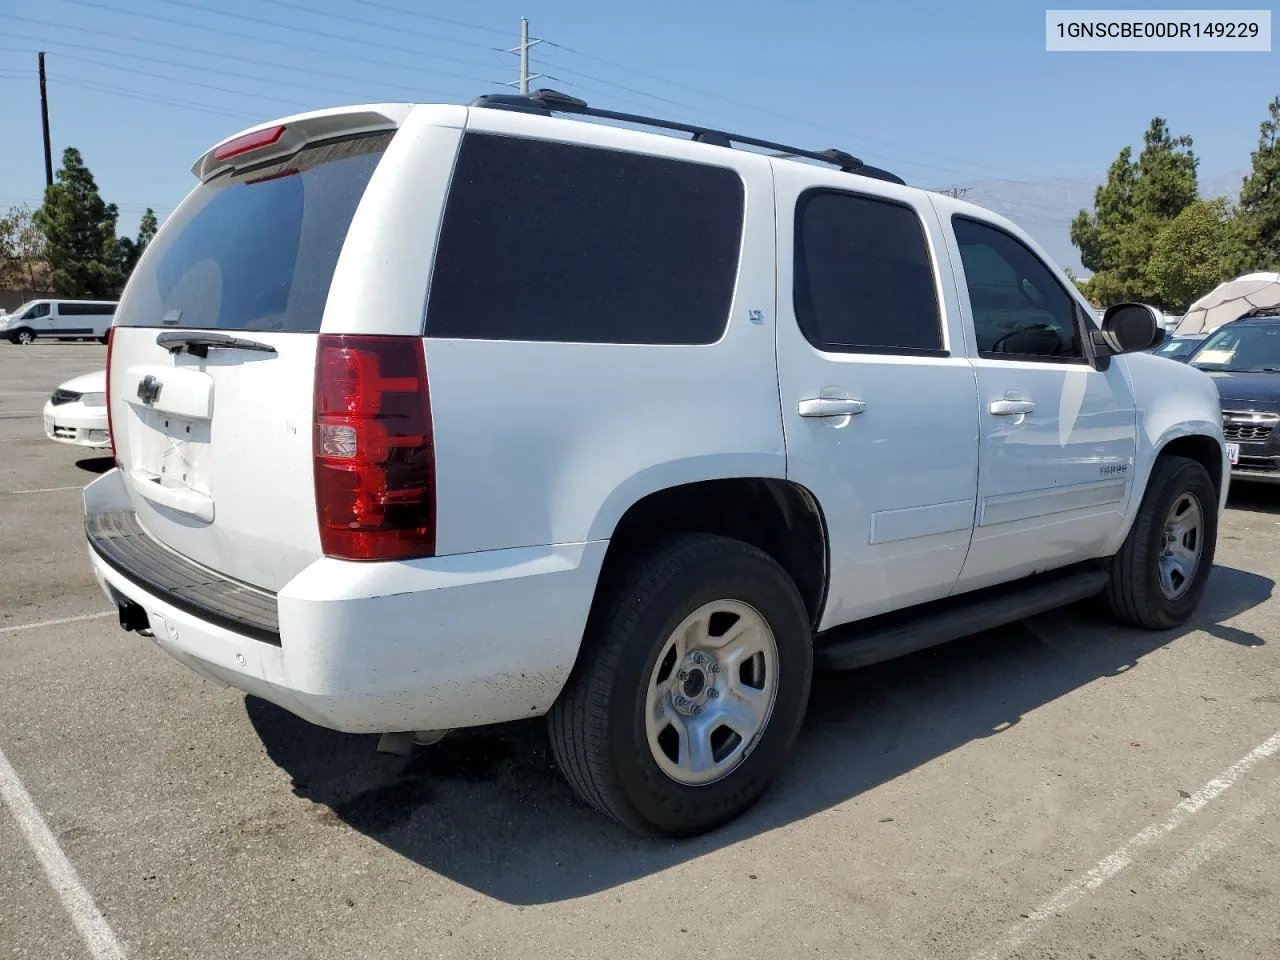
198 344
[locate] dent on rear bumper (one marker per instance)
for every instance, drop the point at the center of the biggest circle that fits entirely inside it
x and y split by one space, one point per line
367 648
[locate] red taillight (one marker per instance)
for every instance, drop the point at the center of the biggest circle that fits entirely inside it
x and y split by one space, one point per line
374 456
250 141
111 434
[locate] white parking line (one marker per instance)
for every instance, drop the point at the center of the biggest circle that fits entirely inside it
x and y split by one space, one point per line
48 489
1189 861
1115 862
54 623
88 919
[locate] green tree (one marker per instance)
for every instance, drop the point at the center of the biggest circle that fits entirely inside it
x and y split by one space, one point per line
84 254
147 228
1192 254
22 264
1139 198
131 250
1259 216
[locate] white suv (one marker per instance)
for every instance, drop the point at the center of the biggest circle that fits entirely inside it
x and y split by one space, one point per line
435 416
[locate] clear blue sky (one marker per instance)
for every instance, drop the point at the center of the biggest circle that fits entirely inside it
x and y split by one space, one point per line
940 92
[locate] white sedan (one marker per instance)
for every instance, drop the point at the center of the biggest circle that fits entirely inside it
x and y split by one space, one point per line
77 412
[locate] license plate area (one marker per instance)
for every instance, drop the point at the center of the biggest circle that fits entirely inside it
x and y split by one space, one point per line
1233 453
173 451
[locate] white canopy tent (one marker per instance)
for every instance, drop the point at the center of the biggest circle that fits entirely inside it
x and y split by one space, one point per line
1230 301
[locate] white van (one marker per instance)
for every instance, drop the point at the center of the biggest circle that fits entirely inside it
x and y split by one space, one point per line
59 319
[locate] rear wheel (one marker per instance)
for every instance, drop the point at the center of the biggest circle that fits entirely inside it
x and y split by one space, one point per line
690 689
1160 573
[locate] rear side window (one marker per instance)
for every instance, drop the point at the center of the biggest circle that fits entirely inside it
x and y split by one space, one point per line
255 251
551 241
864 281
86 309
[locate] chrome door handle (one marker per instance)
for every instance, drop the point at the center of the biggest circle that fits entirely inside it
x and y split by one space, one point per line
1011 408
830 407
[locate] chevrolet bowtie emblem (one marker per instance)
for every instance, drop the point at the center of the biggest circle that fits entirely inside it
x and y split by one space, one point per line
149 390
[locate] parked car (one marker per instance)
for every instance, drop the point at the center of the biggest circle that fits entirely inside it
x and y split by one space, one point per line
1178 348
435 416
58 320
76 413
1243 358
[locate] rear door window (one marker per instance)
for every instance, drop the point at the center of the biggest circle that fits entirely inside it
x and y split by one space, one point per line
256 251
864 280
554 241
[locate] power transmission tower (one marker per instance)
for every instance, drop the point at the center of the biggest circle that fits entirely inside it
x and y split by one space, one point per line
44 116
525 43
957 192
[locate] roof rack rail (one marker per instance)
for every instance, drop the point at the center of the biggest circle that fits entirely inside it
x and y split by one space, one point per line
546 102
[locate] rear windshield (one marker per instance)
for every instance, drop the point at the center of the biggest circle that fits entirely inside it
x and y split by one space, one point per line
255 251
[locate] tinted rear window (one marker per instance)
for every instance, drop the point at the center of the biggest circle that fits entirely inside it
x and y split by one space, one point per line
864 279
256 251
551 241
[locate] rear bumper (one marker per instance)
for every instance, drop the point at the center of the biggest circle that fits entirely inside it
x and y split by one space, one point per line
370 648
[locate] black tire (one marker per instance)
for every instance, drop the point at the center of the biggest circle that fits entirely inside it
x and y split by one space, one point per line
1133 595
23 336
597 725
102 339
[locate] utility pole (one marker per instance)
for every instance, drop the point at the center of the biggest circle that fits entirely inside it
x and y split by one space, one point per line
525 43
957 192
44 116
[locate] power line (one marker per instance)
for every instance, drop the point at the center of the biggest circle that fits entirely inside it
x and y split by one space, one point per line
256 61
428 16
280 43
239 75
367 23
756 107
149 98
195 83
244 18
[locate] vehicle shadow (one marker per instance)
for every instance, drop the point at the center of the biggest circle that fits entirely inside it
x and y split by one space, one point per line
487 808
96 464
1255 497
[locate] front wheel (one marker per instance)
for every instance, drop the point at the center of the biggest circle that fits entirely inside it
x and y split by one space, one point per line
690 689
24 337
1159 575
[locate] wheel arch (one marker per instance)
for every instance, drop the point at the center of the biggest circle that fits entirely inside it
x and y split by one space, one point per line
1197 440
778 516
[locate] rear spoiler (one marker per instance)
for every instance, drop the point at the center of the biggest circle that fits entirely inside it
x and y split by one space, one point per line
298 131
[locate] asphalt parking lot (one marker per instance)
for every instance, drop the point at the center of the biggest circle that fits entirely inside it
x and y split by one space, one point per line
1060 788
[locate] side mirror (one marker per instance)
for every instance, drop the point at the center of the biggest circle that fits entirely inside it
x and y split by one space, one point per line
1131 327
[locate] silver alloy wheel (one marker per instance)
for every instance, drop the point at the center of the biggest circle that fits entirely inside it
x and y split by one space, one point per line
25 337
711 692
1183 543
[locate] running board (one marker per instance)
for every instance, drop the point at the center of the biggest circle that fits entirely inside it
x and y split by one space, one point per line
859 645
